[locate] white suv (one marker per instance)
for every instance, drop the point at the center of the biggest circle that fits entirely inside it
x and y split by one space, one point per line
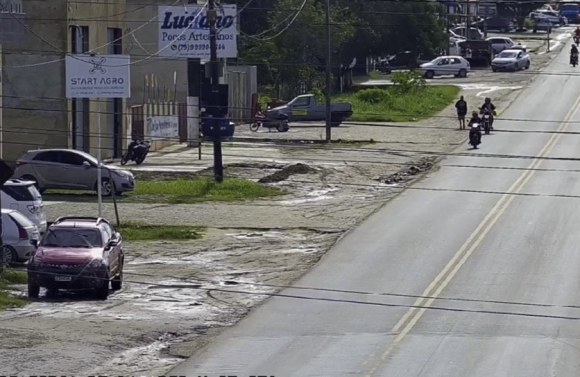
23 197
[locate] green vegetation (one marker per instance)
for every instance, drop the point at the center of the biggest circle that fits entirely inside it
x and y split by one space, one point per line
134 231
202 189
178 191
7 279
408 99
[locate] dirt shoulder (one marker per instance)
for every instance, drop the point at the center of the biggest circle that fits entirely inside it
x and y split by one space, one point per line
179 294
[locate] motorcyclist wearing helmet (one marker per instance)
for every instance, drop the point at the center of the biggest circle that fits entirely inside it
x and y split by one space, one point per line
489 107
474 119
577 31
474 130
573 49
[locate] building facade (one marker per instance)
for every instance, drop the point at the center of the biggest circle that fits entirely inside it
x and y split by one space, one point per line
35 111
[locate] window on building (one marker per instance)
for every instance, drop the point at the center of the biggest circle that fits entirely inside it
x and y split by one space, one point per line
80 107
114 131
115 41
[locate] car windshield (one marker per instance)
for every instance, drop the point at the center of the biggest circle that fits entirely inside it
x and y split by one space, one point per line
73 237
507 54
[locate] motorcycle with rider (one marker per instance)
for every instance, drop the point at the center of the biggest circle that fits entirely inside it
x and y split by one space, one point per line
574 55
475 130
488 112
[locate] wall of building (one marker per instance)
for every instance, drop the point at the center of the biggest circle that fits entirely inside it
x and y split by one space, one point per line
34 113
98 16
152 79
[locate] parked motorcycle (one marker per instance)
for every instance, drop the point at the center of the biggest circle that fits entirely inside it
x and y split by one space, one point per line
279 122
475 135
574 59
137 151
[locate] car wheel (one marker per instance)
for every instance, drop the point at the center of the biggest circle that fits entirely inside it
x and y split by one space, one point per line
462 73
33 289
528 65
8 255
102 293
106 187
117 282
429 74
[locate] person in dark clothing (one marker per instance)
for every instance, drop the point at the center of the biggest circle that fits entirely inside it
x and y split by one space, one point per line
461 107
490 107
474 119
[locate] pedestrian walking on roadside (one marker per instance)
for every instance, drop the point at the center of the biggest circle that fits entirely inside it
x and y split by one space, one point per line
461 107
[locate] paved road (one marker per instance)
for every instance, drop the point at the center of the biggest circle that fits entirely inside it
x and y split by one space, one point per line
439 241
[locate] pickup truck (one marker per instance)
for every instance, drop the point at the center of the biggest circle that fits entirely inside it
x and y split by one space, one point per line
305 109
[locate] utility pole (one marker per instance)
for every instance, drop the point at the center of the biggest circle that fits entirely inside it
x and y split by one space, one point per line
193 95
328 76
214 108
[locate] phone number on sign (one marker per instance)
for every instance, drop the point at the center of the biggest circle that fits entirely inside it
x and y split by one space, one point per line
196 47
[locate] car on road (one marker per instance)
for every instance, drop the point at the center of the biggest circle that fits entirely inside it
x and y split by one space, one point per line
498 44
72 170
78 253
501 24
542 24
19 237
446 65
25 198
571 11
511 60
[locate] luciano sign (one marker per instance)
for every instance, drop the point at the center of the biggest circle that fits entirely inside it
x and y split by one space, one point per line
99 76
184 32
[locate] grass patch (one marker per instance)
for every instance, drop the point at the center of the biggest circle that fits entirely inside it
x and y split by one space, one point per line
393 105
177 191
133 231
204 189
8 278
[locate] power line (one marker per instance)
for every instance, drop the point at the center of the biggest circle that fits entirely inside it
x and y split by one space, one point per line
359 302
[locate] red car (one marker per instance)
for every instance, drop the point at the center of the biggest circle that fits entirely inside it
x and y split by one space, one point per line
77 253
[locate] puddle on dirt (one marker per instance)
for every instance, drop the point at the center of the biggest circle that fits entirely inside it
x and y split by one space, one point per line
173 296
313 196
303 250
168 261
140 359
254 235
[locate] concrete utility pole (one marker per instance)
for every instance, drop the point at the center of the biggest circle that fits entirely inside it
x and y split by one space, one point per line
193 94
214 109
328 75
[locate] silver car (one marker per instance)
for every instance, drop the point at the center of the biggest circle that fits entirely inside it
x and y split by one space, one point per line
511 60
20 237
73 170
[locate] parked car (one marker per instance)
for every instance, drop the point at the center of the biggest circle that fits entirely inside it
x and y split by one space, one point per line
474 33
553 17
71 169
511 60
542 24
446 65
19 237
304 108
571 12
498 44
78 253
23 197
501 24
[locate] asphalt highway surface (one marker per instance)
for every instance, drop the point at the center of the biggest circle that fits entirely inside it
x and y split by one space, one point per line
474 271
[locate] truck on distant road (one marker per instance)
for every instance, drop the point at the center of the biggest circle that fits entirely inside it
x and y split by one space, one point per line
304 108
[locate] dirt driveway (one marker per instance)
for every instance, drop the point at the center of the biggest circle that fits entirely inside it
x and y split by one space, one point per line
178 294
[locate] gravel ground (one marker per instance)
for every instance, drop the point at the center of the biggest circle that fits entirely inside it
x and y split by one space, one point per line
178 294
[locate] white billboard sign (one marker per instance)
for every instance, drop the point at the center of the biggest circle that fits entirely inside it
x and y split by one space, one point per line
162 127
184 32
98 76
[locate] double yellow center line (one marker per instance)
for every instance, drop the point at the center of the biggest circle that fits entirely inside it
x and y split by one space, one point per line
410 319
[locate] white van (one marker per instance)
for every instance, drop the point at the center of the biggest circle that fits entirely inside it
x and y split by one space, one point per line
23 197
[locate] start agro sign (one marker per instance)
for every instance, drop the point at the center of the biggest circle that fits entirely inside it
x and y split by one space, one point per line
99 76
184 32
